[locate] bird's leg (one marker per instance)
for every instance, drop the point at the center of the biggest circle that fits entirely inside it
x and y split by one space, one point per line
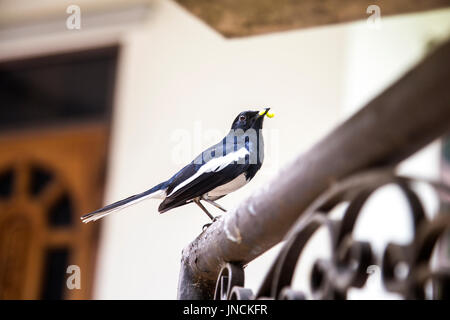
215 204
197 201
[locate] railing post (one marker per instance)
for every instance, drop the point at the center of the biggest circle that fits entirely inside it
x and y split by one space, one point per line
192 288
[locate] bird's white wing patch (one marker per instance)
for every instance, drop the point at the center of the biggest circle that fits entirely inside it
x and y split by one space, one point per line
214 165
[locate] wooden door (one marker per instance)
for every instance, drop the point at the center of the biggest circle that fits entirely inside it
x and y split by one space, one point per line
54 122
48 179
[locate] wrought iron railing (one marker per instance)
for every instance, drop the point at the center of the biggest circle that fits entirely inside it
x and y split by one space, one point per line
351 260
400 121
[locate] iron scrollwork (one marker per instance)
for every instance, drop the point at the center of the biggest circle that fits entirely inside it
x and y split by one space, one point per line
351 259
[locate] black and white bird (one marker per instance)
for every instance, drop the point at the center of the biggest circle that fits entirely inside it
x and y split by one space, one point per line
216 172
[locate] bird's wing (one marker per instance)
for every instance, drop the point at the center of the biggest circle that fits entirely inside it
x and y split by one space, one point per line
196 180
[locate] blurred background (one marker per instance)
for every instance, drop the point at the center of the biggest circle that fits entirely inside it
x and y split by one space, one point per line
105 99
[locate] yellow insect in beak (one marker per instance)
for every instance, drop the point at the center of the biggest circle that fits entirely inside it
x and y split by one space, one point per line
267 113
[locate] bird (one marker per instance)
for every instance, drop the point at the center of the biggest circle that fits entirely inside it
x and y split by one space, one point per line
217 171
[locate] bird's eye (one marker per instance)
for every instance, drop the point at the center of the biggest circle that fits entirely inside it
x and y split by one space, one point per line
242 118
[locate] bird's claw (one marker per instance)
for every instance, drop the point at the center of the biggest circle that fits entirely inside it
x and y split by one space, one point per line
206 226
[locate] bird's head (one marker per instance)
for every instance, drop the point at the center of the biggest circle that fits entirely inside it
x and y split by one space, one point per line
251 119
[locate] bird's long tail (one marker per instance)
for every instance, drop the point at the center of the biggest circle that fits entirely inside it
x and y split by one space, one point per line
155 192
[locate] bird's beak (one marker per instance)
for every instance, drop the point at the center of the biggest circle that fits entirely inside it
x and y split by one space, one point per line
266 112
